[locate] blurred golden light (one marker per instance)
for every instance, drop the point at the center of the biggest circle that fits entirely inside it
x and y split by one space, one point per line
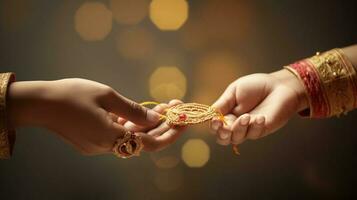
167 83
135 43
195 153
168 14
220 24
167 162
129 11
93 21
213 73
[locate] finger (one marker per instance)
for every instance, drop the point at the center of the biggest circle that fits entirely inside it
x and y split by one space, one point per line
175 102
256 127
162 128
139 128
224 133
161 108
110 136
277 111
128 109
226 101
239 129
215 124
158 143
113 117
121 121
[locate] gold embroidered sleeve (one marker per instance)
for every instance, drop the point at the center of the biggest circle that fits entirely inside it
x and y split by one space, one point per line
7 136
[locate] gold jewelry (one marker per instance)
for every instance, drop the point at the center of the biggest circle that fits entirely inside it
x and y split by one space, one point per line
330 83
128 146
338 80
190 114
7 136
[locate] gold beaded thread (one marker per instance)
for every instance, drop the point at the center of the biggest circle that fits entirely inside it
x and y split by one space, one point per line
190 114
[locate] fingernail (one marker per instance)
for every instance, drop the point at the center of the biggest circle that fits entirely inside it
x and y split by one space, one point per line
245 120
260 119
215 125
152 116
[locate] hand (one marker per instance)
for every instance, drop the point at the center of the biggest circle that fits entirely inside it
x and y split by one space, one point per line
82 112
257 105
159 136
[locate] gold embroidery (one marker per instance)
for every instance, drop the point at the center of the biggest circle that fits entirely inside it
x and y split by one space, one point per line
337 79
6 135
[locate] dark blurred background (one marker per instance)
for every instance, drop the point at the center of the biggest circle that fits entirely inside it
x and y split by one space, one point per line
164 49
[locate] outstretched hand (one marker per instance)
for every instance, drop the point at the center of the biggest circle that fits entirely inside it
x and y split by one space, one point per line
87 114
257 105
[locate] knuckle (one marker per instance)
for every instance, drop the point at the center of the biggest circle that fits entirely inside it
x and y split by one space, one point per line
107 91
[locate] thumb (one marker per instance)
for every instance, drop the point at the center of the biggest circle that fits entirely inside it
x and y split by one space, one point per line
129 109
226 102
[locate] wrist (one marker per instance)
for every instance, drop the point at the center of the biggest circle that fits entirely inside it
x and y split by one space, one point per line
287 78
27 103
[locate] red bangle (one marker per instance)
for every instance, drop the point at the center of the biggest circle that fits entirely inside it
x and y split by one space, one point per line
330 82
310 78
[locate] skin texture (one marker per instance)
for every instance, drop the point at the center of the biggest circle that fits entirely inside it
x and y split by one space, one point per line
259 104
86 114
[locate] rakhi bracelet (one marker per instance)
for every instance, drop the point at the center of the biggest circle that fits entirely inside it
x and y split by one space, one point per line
330 83
186 114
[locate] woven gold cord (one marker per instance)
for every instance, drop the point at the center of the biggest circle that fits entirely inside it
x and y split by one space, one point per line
190 114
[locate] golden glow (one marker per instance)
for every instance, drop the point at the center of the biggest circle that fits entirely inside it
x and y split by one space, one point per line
213 73
93 21
219 23
168 14
195 153
135 43
168 180
129 11
167 83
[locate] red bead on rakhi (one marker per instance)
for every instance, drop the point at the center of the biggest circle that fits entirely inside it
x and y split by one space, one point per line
182 117
319 106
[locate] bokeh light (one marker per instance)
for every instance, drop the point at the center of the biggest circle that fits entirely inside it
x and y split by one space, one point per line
129 11
168 14
168 180
195 153
220 24
93 21
213 73
167 83
135 43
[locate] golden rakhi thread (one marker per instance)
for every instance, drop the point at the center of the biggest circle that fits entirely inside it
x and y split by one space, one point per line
190 114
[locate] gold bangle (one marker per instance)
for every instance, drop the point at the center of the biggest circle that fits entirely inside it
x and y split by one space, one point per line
128 146
7 136
337 77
